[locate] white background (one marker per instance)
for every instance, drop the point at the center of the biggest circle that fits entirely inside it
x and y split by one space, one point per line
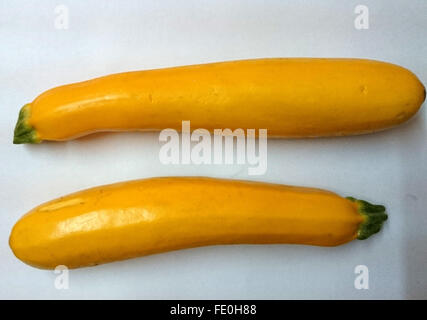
114 36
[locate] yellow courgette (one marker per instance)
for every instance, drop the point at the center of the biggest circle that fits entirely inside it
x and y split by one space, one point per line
141 217
299 97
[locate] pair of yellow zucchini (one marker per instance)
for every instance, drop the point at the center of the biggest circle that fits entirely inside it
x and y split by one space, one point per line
288 97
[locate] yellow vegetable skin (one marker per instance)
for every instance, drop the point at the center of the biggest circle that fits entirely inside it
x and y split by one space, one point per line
291 97
141 217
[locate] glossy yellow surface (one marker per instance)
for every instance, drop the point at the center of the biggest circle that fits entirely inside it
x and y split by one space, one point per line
141 217
289 97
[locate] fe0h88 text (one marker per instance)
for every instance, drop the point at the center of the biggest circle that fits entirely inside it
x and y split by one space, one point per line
217 309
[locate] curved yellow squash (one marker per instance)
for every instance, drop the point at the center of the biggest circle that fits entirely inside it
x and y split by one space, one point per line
141 217
291 97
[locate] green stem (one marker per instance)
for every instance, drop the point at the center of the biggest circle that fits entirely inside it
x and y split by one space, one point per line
374 216
24 132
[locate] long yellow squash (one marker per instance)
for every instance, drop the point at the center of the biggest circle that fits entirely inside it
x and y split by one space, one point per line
141 217
299 97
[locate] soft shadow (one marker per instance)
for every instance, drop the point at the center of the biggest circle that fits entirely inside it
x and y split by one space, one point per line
413 157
